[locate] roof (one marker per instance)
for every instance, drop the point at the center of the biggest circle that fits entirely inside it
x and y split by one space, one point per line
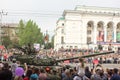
10 25
83 7
94 10
61 18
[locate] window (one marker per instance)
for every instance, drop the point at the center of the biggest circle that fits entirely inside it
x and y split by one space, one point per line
88 39
62 40
71 46
62 24
88 31
62 31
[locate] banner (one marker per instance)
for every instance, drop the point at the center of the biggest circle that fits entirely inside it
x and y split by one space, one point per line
100 36
110 36
118 37
37 46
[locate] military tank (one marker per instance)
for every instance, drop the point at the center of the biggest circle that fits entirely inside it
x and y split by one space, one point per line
30 58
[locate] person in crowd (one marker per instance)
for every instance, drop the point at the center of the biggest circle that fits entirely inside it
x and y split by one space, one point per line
99 73
115 75
1 65
28 74
67 75
18 63
63 72
80 67
81 71
73 73
109 73
5 73
35 74
53 75
10 55
42 75
80 76
13 67
5 56
87 72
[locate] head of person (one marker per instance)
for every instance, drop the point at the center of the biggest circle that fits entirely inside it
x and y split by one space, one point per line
14 60
82 62
115 71
35 71
42 70
71 71
109 72
33 77
101 72
28 73
86 69
67 72
98 69
6 66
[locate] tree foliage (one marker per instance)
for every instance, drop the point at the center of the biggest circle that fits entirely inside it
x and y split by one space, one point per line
52 41
29 33
6 41
50 45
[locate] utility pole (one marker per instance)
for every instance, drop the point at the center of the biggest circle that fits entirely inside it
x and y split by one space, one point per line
2 13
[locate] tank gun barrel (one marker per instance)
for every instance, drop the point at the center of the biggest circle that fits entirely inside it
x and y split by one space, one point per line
31 60
85 56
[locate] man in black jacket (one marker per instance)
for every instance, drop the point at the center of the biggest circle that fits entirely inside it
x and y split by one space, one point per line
5 73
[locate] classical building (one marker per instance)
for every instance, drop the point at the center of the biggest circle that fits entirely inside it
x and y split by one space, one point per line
88 26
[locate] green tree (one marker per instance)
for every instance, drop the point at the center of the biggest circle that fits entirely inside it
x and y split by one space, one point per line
50 45
29 33
52 41
6 41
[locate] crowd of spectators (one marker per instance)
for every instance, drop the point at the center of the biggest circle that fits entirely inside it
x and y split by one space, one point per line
15 71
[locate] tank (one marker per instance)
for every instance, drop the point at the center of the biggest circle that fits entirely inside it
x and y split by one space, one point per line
30 58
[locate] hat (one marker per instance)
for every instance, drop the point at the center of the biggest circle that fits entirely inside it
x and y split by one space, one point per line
34 76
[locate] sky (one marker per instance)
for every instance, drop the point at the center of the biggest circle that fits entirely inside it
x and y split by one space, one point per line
45 12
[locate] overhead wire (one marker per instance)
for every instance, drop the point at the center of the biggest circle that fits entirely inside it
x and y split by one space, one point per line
34 14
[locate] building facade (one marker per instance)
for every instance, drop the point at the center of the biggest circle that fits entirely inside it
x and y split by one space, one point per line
88 26
10 30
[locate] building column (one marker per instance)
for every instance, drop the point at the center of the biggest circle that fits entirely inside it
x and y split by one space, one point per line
114 33
105 33
95 33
